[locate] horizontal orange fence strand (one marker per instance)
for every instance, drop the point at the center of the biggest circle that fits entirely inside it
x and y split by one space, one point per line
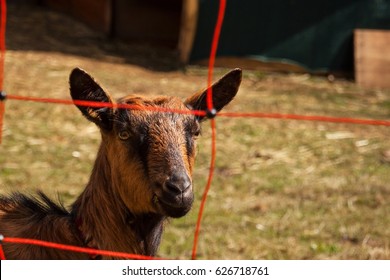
77 249
306 118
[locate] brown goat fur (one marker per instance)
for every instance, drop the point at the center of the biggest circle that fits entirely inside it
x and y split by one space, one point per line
142 176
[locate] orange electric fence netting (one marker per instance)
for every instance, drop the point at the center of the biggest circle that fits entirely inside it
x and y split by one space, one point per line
211 113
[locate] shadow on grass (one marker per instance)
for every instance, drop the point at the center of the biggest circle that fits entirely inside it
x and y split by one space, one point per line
35 28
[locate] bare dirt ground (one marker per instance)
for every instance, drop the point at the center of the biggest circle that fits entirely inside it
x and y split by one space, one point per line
282 189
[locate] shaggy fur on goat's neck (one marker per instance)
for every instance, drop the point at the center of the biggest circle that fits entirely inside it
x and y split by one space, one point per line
99 219
37 218
121 230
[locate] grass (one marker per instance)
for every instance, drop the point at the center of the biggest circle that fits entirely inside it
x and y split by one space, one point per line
290 193
282 189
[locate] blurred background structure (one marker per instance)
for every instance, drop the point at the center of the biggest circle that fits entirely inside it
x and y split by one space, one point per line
283 189
283 35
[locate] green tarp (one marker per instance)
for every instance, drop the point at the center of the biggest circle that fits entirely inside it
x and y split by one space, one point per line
316 34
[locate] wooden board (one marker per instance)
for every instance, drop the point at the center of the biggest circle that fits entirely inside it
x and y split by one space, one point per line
167 23
372 58
95 13
154 22
189 20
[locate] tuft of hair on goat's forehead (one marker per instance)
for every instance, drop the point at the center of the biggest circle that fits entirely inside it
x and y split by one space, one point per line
153 129
146 115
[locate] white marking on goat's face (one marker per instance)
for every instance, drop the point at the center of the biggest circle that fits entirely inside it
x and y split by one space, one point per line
161 147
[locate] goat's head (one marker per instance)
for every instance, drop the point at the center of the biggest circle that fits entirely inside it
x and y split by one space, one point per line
151 153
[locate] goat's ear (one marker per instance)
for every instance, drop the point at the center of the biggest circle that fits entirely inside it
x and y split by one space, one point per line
223 91
84 88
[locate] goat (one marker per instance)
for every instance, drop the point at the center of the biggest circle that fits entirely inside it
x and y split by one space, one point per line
142 176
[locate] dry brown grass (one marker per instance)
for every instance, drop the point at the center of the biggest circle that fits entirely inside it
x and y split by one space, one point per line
282 189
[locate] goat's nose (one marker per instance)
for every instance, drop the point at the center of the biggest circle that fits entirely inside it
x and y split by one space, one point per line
177 184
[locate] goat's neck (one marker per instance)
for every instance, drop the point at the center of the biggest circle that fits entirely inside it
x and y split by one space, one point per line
104 220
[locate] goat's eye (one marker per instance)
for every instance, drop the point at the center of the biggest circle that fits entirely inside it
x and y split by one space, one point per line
124 135
196 132
193 129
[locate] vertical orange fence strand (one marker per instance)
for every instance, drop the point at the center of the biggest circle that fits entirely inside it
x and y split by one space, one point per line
2 256
3 21
213 52
214 46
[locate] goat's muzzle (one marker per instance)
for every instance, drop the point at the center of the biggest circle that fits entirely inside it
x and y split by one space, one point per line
174 196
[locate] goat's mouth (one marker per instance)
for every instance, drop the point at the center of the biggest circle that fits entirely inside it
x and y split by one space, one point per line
173 209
